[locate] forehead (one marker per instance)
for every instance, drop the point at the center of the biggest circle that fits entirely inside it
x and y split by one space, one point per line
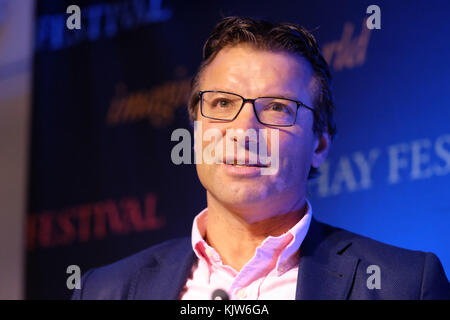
254 72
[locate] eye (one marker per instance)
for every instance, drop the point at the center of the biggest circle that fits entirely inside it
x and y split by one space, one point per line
278 107
223 103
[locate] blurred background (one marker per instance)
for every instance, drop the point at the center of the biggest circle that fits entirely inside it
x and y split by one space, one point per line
86 117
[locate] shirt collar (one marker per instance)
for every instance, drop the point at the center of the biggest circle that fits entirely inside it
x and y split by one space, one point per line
286 245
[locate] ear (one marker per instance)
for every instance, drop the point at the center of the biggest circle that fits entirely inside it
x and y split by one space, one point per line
321 147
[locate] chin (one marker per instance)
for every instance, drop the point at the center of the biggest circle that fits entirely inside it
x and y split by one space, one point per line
244 194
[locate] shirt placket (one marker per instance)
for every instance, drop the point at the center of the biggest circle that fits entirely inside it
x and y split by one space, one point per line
248 282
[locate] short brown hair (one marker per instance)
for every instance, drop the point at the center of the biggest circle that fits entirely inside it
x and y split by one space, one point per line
266 35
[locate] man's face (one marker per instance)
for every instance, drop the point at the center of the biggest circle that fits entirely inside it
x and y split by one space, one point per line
254 73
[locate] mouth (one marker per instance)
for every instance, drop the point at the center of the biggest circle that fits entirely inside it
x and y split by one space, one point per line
246 164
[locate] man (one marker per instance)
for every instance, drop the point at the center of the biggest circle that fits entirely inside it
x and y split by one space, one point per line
257 238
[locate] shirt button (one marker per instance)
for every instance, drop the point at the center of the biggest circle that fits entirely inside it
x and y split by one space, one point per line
242 293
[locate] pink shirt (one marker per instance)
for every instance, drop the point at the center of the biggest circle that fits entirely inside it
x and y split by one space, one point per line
271 274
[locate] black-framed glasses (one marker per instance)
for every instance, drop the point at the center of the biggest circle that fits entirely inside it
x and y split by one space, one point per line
272 111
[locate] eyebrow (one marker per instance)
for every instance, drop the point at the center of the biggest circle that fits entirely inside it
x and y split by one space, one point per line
279 95
282 96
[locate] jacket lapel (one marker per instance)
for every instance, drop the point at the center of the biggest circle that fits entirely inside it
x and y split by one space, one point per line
165 277
324 272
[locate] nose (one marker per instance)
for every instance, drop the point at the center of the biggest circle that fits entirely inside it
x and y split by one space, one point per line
246 119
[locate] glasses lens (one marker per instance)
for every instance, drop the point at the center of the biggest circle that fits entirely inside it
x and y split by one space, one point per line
220 105
276 111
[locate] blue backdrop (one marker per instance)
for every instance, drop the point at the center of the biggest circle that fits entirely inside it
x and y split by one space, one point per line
108 96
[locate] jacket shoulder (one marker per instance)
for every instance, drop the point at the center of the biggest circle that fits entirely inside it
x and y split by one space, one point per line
113 281
404 273
346 242
371 249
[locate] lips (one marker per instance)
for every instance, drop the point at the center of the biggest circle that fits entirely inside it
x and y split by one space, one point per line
234 163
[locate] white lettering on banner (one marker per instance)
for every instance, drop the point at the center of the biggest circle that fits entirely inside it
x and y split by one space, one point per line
365 166
99 20
407 161
443 154
415 158
344 175
397 161
420 158
354 178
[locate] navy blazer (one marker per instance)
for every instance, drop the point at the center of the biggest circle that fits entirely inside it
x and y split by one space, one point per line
333 265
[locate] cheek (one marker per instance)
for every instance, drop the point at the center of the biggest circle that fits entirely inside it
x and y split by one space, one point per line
200 171
199 146
295 157
205 175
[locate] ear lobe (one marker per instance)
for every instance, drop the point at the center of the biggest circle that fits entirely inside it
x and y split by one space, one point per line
321 148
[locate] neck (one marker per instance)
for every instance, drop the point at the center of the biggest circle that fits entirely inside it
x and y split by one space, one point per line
235 237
